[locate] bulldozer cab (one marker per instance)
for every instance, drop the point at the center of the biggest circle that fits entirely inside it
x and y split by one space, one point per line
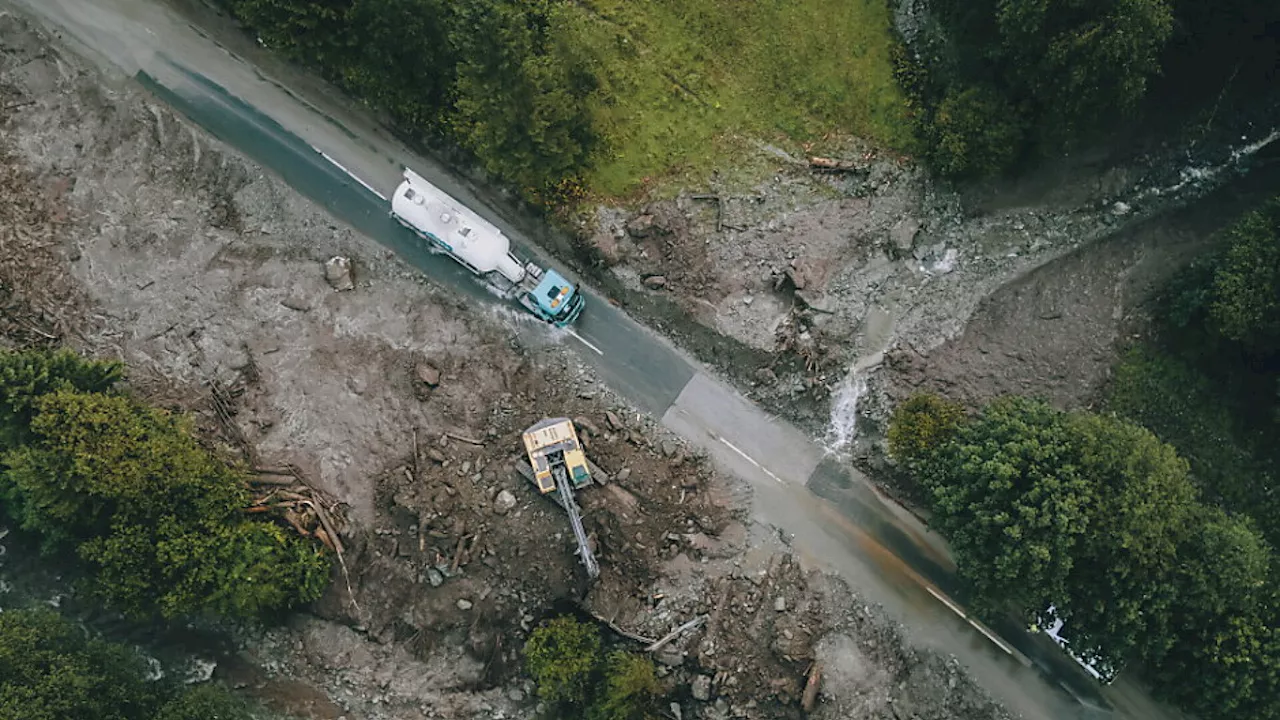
553 448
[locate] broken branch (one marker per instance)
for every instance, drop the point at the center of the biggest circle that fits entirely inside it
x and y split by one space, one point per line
676 633
463 438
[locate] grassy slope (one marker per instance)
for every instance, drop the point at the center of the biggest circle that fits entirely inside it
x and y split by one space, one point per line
686 84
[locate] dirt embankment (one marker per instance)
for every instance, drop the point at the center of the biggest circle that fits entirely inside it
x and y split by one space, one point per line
791 285
128 233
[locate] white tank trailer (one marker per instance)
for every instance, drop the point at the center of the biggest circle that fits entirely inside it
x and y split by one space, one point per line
455 230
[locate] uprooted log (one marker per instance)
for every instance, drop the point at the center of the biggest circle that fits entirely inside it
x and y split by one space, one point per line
309 511
826 164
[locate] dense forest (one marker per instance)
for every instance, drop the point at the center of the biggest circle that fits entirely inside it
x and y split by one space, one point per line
1149 529
541 93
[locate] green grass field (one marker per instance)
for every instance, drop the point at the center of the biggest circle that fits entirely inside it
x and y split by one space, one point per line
686 85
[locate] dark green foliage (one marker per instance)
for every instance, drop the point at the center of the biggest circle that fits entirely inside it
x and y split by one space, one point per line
1097 518
308 30
566 659
204 702
494 76
49 670
26 376
1245 304
520 92
1181 405
920 424
563 657
974 131
629 688
1008 493
1080 61
1122 582
52 670
1020 75
157 518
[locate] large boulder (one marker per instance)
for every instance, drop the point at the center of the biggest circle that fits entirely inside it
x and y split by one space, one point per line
337 272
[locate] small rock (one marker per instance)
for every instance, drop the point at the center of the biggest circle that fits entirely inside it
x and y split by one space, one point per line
676 711
670 657
903 236
464 604
623 474
1120 209
428 374
337 272
748 300
296 303
586 425
655 282
614 421
356 385
780 604
766 376
504 502
436 455
515 695
641 226
434 577
668 448
702 688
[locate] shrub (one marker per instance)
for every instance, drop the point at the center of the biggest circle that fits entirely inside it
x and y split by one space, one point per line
630 685
920 424
157 517
563 657
975 131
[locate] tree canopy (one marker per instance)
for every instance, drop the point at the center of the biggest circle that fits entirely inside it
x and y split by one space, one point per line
158 519
52 670
494 76
1093 520
567 661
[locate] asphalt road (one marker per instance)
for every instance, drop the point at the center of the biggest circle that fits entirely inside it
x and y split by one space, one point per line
288 123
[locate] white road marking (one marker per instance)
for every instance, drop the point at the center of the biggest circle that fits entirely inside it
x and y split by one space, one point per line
943 599
584 341
350 174
976 625
990 636
749 459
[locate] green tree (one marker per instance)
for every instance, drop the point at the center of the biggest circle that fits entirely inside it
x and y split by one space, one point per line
403 61
1122 583
208 701
563 657
521 91
26 376
312 31
920 425
155 515
975 131
1008 493
1081 60
50 670
1225 660
1245 301
629 688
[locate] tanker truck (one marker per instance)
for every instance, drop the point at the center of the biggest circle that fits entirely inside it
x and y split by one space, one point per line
451 228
